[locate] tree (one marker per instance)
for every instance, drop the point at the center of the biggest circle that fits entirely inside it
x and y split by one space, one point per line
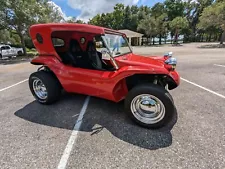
162 26
174 8
8 37
158 11
48 12
74 20
178 24
148 26
214 15
118 16
193 10
18 16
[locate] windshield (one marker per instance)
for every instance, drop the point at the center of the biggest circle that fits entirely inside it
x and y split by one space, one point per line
117 44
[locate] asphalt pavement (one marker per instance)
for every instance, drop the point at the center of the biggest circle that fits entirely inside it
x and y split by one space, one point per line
75 133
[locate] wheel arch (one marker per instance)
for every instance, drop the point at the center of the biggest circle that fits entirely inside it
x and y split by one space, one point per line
159 79
124 85
47 69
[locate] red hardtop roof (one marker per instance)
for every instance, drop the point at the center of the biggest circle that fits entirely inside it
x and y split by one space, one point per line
44 32
71 27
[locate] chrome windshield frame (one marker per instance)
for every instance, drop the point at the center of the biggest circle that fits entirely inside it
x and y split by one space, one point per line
110 53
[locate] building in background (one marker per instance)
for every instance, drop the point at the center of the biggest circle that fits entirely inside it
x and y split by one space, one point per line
134 38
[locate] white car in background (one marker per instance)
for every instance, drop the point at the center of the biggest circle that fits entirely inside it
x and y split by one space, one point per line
6 51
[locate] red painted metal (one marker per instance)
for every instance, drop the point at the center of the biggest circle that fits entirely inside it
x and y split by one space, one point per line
110 85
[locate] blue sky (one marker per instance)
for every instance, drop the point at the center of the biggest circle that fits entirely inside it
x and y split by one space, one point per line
85 9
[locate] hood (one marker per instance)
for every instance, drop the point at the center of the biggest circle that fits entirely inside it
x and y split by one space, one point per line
137 60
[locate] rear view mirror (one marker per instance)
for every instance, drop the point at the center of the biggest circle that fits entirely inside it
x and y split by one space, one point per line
98 44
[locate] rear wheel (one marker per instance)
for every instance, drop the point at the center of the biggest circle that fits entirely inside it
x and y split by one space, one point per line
44 87
150 105
19 53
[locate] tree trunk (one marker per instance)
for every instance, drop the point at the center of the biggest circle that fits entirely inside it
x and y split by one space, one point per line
160 39
176 36
202 37
171 35
23 43
222 37
210 37
153 40
150 40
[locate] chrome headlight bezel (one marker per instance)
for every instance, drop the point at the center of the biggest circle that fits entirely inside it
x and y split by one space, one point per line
172 62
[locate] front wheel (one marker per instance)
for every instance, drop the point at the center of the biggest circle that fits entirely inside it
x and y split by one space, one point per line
150 105
44 87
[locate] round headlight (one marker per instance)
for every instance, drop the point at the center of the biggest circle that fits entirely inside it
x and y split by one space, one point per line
172 62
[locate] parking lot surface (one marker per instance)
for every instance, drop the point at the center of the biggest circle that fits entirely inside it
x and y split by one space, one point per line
38 136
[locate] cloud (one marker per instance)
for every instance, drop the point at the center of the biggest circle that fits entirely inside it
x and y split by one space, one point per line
190 1
90 8
59 10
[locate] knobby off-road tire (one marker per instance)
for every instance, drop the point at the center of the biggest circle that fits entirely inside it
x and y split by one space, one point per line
45 87
150 106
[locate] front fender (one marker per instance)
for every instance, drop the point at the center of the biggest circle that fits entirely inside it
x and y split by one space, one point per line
173 80
131 70
172 77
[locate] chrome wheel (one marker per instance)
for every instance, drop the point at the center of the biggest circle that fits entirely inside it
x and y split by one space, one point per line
39 89
147 108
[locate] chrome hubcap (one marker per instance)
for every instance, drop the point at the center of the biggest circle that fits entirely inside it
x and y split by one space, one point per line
39 89
147 108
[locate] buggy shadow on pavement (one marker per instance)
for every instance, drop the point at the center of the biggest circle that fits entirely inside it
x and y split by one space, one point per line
62 114
101 113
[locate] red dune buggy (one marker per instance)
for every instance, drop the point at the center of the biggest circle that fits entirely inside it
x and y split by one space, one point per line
97 61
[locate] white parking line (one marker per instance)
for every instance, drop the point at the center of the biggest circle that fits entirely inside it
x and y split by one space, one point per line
13 85
73 136
219 65
208 90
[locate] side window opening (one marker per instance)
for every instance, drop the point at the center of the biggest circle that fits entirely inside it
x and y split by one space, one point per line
88 56
3 48
57 42
7 47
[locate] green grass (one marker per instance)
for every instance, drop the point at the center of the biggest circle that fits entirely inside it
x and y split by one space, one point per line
30 53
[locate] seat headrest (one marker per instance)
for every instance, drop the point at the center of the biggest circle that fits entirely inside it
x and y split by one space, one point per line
74 43
91 46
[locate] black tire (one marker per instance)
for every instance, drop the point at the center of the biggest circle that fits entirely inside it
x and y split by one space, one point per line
51 84
19 53
169 95
160 93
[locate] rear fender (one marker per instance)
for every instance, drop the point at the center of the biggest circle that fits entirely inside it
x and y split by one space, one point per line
45 60
52 63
